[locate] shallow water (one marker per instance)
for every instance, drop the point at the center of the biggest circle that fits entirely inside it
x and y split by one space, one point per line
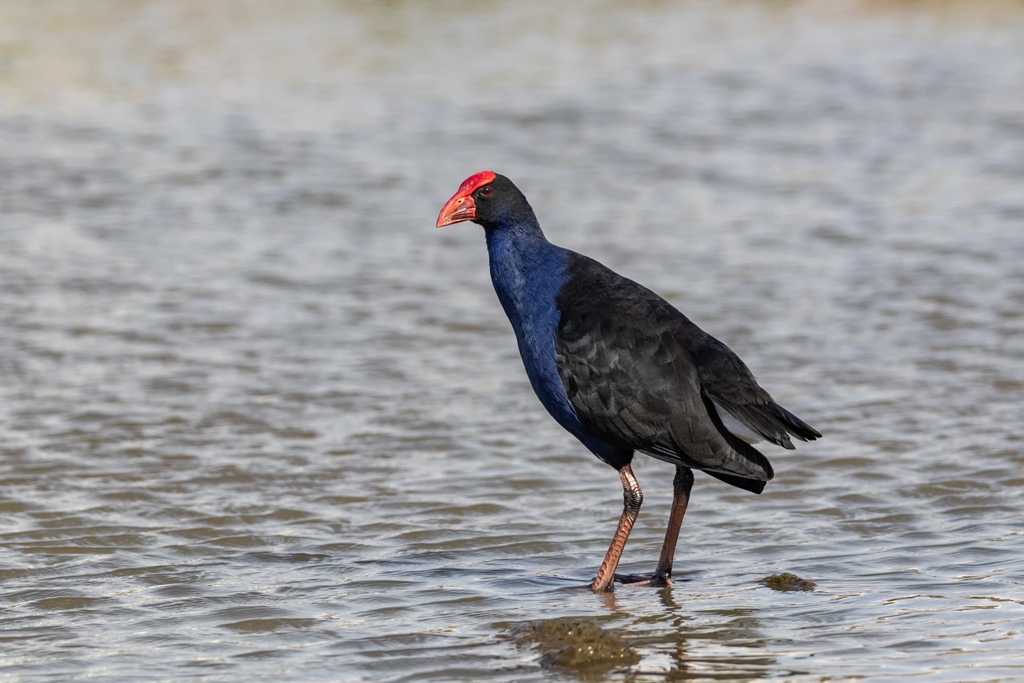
258 419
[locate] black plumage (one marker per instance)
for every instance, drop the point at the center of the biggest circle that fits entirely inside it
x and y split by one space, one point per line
642 376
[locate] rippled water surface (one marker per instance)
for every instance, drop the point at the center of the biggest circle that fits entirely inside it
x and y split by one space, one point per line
259 420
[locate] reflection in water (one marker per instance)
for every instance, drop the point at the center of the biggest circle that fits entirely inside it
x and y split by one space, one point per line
670 643
718 644
259 419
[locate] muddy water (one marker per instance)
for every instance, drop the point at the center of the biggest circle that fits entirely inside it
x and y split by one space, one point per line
259 420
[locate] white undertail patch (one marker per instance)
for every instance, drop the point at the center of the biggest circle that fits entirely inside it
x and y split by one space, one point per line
736 427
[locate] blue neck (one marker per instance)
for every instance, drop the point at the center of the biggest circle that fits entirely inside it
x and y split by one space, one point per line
527 272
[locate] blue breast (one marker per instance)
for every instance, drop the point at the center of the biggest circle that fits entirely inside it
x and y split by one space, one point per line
528 272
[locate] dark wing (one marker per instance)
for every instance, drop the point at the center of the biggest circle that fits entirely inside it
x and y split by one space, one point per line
728 382
626 359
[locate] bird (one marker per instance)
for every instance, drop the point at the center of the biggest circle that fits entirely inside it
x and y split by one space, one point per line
621 369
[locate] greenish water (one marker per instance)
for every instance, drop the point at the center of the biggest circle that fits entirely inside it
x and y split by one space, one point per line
260 420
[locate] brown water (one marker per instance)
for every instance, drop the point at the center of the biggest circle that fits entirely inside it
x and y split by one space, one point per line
260 421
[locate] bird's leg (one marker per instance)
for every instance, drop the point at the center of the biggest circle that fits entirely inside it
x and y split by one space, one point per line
681 485
632 497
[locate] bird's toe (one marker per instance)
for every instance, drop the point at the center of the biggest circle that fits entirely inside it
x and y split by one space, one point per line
656 580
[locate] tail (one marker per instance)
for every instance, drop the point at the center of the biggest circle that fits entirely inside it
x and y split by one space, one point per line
769 420
746 450
752 485
794 425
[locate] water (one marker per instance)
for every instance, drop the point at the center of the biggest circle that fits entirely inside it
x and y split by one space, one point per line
260 420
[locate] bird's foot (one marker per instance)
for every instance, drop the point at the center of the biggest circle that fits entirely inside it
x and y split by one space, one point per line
656 580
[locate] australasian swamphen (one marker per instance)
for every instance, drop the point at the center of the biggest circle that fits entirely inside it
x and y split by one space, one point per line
620 368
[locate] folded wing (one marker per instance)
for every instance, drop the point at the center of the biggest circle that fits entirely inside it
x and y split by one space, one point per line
641 375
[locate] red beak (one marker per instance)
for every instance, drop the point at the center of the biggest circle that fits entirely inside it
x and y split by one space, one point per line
459 208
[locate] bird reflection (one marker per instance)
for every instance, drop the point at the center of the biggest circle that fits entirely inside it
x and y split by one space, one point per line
679 643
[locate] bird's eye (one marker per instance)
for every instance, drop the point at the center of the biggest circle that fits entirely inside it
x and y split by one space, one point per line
486 191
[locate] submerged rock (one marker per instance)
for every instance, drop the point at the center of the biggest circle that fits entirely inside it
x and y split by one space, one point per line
575 644
788 582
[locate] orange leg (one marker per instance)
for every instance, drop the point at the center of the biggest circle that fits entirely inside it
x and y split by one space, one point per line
681 485
632 497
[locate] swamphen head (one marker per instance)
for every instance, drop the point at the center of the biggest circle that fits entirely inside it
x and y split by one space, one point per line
489 199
